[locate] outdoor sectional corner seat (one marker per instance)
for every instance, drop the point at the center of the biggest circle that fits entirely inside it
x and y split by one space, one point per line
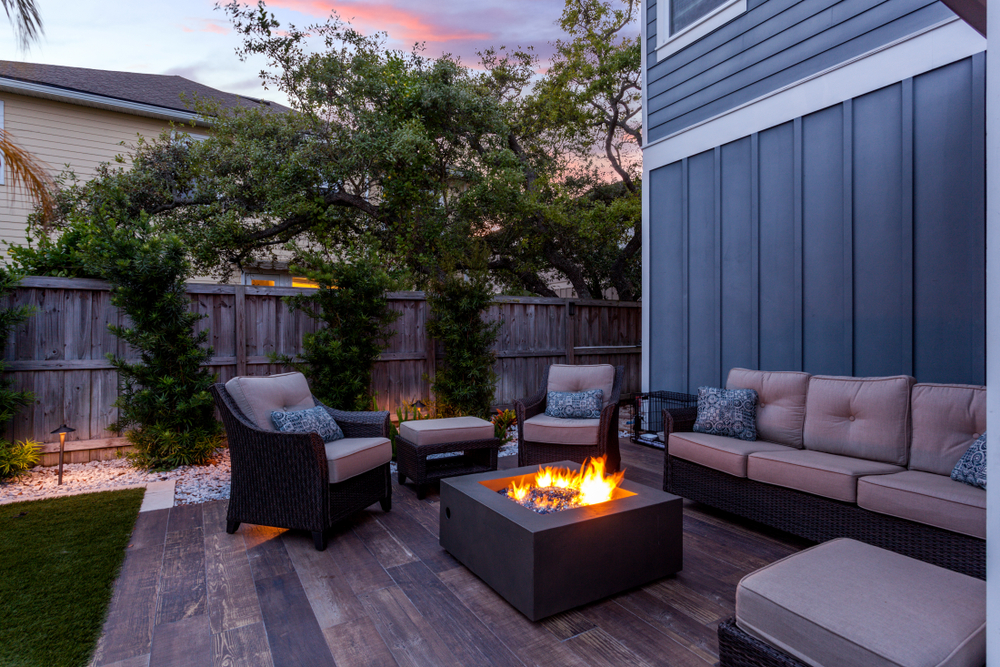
545 439
863 458
295 480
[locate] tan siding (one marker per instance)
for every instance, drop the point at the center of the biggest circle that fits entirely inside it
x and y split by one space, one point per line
62 135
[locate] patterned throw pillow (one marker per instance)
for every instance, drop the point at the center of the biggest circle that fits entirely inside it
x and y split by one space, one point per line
971 468
729 412
575 405
313 420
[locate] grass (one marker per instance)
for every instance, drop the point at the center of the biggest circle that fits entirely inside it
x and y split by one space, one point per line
59 559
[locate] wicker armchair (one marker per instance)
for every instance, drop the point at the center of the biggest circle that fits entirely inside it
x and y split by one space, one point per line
534 452
283 479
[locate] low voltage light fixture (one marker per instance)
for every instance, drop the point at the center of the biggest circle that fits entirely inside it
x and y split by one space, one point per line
62 431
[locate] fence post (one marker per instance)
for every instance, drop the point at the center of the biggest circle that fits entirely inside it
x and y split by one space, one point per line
241 329
570 334
430 353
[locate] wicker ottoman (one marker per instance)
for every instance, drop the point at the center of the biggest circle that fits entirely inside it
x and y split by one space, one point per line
472 437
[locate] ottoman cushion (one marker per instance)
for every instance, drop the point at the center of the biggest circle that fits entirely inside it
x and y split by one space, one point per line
846 603
439 431
348 457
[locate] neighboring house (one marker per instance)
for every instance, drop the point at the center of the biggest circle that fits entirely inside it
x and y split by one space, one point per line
814 190
71 117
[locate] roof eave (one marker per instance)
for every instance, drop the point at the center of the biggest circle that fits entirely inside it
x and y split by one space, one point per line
79 98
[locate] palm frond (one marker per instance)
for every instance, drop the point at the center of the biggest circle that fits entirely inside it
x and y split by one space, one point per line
23 14
29 175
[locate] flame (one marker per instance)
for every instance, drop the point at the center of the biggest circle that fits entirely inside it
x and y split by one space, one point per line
592 483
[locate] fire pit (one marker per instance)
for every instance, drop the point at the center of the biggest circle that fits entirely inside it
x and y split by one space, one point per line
546 563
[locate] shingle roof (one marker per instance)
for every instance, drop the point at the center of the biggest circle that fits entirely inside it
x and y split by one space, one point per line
155 89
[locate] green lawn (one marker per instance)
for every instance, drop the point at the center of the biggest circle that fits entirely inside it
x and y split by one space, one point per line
58 562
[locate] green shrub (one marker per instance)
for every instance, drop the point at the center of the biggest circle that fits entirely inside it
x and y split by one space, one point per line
164 403
465 384
355 317
15 458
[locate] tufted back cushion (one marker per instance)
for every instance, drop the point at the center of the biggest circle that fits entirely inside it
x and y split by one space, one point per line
947 419
563 377
867 418
257 397
781 402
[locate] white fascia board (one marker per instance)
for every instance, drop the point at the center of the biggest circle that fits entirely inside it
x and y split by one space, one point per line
993 327
936 46
644 252
31 89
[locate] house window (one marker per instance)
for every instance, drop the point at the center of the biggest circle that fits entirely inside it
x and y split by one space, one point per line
684 13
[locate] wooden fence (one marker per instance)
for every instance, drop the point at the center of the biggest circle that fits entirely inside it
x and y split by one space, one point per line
59 354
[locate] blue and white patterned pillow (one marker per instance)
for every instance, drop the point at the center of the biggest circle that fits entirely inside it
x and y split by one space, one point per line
575 405
313 420
971 468
729 412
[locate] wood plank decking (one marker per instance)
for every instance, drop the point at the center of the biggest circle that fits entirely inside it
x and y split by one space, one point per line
385 593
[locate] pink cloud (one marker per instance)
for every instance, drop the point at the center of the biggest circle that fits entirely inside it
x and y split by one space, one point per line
399 23
207 25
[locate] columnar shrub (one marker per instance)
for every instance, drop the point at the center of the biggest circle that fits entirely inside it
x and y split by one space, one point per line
458 301
15 457
355 318
164 404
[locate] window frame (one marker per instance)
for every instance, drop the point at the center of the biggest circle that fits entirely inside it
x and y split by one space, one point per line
666 44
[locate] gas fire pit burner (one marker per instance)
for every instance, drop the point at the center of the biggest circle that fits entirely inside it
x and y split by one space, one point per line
545 561
557 489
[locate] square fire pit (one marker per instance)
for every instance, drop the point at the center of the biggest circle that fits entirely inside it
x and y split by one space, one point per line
544 564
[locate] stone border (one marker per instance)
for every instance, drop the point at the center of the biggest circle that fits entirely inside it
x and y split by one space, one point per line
158 496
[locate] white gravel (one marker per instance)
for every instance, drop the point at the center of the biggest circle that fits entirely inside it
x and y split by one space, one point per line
194 484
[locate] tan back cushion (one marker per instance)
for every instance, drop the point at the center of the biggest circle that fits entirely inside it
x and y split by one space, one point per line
867 418
781 402
947 419
563 377
258 396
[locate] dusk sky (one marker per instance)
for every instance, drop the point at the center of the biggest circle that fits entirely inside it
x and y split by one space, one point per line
192 39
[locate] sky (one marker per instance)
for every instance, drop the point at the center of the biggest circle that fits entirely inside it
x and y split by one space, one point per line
191 38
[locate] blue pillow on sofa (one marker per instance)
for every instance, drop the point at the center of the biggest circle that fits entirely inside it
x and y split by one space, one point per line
971 468
728 412
312 420
575 404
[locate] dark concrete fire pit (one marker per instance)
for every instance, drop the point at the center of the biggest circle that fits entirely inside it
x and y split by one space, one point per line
547 563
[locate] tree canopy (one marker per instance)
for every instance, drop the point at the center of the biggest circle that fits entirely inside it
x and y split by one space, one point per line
424 155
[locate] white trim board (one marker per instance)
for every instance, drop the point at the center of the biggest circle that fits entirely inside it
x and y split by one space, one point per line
644 251
717 17
936 46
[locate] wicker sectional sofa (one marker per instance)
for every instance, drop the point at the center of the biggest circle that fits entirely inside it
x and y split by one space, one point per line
864 458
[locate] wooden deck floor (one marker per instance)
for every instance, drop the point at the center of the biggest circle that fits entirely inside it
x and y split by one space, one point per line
385 593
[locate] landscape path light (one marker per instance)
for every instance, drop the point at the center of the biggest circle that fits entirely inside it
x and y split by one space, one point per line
62 431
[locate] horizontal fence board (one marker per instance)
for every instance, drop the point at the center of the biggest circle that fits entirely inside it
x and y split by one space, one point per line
60 353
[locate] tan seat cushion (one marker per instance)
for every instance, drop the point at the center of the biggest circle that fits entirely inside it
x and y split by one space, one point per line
728 455
349 457
781 404
439 431
936 500
823 474
556 431
565 377
258 396
843 603
868 418
947 419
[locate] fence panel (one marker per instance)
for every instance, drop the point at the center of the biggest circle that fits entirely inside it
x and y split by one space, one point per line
60 353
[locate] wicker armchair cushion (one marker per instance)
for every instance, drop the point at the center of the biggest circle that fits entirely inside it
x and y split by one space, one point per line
823 474
258 397
867 418
556 431
848 603
563 377
728 455
439 431
781 405
349 457
934 500
947 419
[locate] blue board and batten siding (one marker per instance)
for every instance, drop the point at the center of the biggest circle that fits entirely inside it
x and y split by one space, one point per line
773 44
849 242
